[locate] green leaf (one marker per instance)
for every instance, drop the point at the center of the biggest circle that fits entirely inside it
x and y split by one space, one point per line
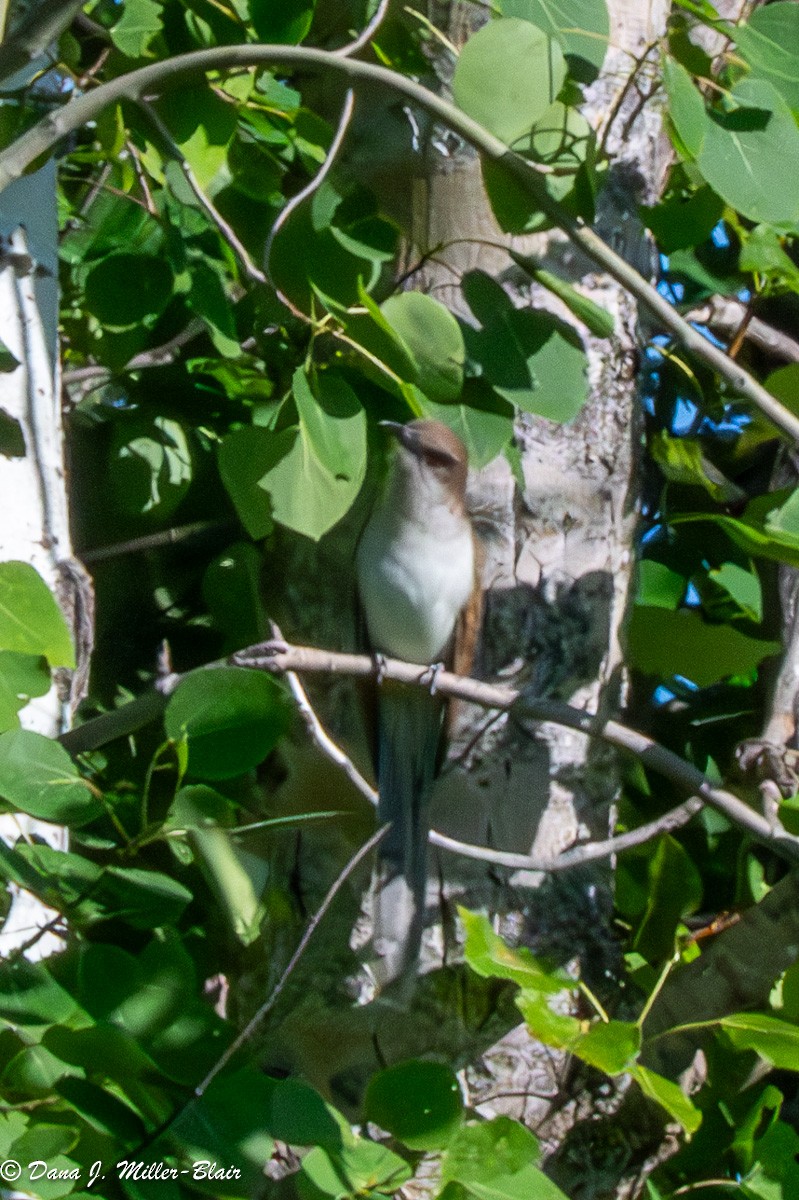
237 877
359 1168
598 320
145 899
30 997
101 1110
417 1102
495 1160
742 587
140 23
610 1046
432 339
658 585
784 385
774 1174
281 20
556 1029
762 253
515 210
682 460
232 718
43 1148
769 529
768 41
507 75
245 456
38 777
670 1096
483 421
8 363
202 124
531 358
117 304
232 589
227 1125
30 620
298 1115
319 465
775 1040
675 889
210 301
150 466
22 676
686 108
682 221
681 643
489 956
33 1071
582 27
750 156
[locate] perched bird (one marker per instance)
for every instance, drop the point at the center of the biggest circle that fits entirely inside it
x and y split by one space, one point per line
421 602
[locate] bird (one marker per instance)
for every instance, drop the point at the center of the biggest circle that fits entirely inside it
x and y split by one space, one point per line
418 589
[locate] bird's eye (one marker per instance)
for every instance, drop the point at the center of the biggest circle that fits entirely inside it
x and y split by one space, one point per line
439 459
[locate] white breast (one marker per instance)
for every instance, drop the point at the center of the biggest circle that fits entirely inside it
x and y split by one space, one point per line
414 579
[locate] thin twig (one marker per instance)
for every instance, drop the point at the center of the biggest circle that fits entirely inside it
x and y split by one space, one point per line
159 356
724 315
154 541
366 34
251 1026
319 735
577 856
142 179
228 232
304 194
638 64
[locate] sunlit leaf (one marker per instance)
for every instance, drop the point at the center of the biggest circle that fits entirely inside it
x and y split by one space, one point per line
507 75
30 620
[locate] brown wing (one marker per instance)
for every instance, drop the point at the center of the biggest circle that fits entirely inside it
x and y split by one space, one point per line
467 630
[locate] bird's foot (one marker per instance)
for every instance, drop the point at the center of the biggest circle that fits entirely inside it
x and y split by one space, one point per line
430 676
380 666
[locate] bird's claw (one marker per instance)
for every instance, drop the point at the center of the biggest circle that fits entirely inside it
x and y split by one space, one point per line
430 676
380 666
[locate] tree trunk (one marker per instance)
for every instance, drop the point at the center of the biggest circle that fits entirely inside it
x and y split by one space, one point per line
33 497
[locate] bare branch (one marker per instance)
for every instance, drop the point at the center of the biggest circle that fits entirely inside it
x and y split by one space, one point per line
42 26
319 735
725 316
576 856
280 657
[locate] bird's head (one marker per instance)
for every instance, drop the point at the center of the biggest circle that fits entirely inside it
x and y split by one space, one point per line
431 461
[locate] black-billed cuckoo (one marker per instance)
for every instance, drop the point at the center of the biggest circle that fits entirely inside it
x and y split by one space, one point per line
420 596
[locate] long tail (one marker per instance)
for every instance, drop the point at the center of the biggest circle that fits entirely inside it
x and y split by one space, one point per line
409 735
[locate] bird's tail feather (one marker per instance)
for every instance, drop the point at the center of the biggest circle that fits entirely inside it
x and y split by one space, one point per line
410 724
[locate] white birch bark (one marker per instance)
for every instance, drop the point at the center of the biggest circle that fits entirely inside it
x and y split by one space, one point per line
33 498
